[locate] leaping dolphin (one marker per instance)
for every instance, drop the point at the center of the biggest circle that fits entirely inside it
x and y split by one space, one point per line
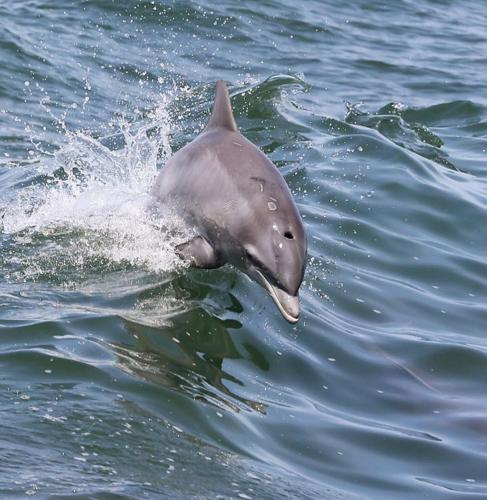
240 206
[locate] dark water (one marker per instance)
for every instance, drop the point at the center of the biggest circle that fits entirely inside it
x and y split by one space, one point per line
124 376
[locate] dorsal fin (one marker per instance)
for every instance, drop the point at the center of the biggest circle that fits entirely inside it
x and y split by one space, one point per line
222 115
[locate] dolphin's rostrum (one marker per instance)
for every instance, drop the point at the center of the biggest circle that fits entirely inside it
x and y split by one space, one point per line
240 206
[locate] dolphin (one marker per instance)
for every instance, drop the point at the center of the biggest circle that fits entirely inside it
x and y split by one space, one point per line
240 206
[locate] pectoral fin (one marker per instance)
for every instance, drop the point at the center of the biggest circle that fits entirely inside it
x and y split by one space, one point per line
200 253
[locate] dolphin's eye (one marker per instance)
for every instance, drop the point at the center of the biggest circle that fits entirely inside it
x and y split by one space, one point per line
288 235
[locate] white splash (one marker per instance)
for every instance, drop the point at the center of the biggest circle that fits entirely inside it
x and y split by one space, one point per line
100 209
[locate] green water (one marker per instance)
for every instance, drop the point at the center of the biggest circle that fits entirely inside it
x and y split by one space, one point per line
124 375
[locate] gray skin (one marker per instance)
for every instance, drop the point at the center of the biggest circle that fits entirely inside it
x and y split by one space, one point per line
240 206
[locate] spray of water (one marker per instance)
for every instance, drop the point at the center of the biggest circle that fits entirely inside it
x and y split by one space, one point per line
94 210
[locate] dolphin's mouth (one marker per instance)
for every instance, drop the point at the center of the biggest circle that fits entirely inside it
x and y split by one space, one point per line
286 303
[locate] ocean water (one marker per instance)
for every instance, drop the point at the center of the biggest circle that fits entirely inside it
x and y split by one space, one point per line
125 375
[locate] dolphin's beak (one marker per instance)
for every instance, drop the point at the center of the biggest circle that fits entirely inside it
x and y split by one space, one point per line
287 304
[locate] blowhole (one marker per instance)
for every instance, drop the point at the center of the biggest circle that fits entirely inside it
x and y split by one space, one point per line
288 235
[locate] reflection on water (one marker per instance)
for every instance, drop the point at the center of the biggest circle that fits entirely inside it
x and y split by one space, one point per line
188 354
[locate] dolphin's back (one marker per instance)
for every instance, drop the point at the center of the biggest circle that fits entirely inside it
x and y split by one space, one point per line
218 167
220 171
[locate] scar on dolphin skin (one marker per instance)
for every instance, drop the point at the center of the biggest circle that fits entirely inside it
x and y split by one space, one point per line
262 236
261 182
